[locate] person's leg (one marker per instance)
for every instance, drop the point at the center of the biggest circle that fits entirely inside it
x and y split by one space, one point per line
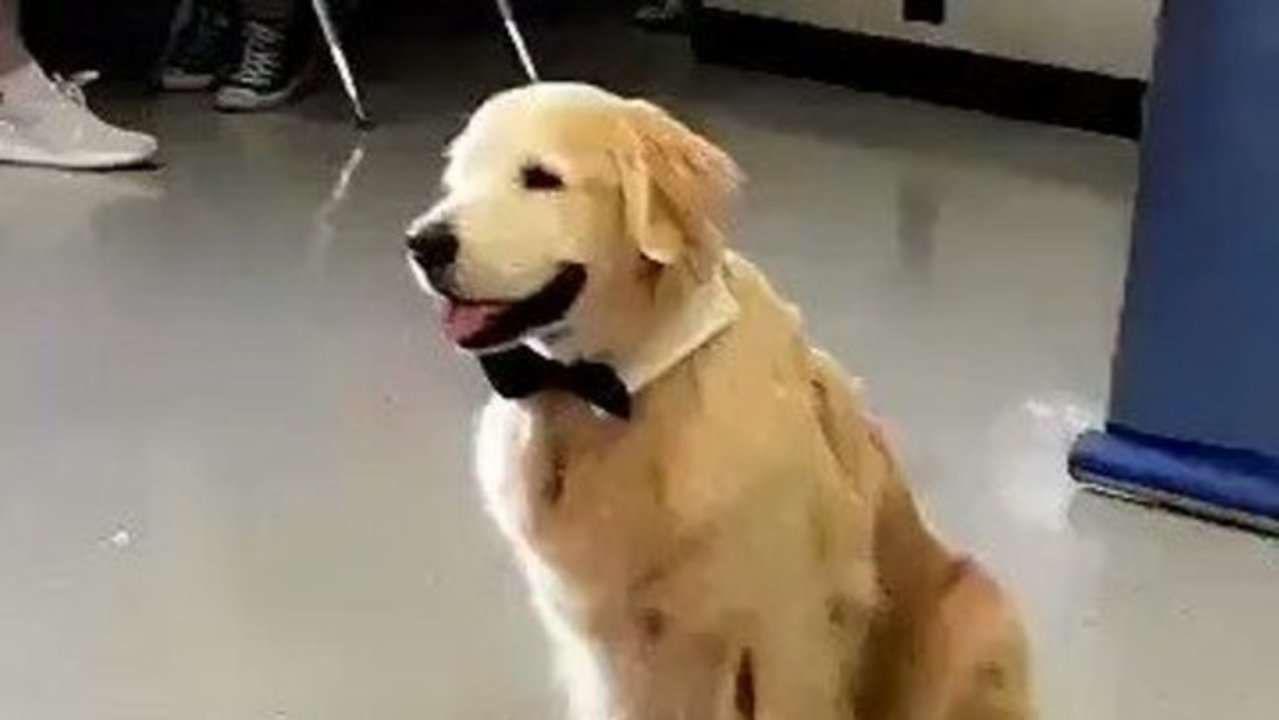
273 59
12 52
43 122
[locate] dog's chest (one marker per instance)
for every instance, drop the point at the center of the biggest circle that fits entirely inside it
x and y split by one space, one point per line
607 506
586 495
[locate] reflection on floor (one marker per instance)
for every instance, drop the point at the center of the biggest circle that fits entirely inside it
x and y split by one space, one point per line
233 452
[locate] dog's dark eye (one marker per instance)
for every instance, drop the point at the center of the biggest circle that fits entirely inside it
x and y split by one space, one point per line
537 177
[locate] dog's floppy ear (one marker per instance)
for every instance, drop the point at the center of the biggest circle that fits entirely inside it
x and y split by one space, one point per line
677 186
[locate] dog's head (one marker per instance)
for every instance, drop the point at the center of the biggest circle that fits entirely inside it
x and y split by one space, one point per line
562 206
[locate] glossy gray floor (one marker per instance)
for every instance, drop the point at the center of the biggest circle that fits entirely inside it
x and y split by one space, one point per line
233 450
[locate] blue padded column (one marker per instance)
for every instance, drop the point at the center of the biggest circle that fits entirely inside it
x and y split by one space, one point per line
1194 416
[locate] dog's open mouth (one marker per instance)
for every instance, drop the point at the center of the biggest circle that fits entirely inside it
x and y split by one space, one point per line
482 325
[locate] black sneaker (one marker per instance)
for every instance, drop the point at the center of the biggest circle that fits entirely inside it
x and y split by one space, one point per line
270 71
202 51
663 16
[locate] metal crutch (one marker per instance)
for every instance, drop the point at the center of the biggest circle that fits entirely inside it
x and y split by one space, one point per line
324 14
517 39
331 36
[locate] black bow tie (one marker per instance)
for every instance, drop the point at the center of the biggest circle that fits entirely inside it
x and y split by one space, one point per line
521 372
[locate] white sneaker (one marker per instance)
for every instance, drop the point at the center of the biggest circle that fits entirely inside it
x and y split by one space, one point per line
47 122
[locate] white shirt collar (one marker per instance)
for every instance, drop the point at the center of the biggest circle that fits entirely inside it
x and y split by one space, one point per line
709 310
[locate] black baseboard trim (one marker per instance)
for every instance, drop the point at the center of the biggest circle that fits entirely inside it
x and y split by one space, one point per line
946 76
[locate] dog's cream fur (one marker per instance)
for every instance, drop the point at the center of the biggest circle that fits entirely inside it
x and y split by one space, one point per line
745 546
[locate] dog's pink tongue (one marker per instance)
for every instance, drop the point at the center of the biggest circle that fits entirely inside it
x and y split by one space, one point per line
461 321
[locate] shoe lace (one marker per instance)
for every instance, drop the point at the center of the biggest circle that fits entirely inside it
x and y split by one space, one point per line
263 57
72 87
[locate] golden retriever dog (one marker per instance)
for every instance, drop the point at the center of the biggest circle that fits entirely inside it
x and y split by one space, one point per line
711 526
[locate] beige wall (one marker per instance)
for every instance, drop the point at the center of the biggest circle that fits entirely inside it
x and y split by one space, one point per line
1111 36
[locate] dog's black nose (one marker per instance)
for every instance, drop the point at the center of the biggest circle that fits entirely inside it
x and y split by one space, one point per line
434 247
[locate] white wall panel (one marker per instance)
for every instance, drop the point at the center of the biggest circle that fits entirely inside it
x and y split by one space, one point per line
1115 37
